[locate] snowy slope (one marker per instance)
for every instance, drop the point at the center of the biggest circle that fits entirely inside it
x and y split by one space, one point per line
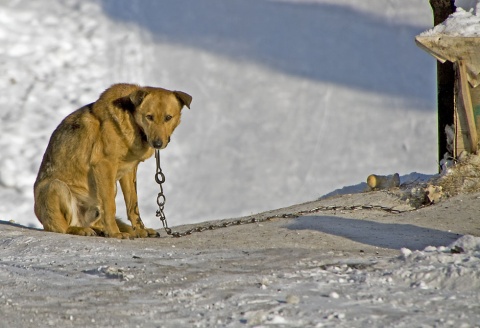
291 99
287 273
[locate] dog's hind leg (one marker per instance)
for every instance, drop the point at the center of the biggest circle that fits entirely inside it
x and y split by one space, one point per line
56 209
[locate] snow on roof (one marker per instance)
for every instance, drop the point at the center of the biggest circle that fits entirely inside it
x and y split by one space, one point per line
460 23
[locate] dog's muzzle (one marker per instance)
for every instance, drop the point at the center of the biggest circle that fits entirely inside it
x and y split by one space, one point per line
157 144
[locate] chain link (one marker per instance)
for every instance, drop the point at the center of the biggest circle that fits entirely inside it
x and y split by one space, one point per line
160 179
225 224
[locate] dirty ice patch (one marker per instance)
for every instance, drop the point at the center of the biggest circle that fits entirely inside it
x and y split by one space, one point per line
451 267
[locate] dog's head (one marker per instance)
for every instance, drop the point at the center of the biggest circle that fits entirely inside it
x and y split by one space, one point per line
157 113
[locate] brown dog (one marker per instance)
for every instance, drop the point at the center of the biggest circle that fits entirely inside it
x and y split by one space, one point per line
96 146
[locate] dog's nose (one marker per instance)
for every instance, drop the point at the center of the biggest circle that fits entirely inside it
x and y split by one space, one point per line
157 143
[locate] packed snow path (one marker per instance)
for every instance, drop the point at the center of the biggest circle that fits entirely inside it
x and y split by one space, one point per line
332 269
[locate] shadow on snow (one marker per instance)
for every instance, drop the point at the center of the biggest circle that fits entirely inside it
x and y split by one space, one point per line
386 235
322 42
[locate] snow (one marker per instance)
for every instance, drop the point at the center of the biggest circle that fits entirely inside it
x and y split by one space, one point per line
236 281
288 104
291 100
436 268
461 23
464 22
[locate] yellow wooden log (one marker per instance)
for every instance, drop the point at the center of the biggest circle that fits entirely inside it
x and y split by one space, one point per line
383 181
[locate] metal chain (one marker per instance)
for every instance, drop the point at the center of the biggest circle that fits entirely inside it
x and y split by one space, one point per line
229 223
160 179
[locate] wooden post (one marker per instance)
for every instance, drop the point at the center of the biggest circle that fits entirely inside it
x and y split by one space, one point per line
466 105
445 79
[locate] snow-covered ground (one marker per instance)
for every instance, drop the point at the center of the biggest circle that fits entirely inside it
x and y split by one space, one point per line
325 269
291 99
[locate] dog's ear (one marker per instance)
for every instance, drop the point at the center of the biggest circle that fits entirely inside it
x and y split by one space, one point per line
184 98
137 97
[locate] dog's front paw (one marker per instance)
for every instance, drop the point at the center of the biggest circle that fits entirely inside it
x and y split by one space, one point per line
145 233
152 233
121 235
81 231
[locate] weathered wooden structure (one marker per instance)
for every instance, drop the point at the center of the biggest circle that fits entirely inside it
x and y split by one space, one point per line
463 53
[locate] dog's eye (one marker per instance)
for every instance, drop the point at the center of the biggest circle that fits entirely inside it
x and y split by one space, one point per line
168 118
149 117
